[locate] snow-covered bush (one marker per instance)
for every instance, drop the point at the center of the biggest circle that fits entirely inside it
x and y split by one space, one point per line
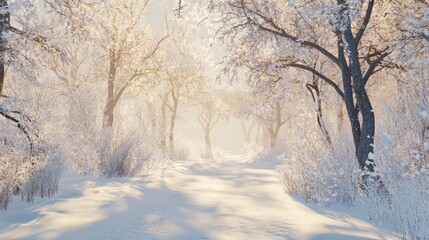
44 179
406 208
403 161
82 136
127 156
30 174
181 151
311 170
409 208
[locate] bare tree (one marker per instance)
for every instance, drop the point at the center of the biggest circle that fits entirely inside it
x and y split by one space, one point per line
247 131
214 105
128 50
4 28
182 71
355 60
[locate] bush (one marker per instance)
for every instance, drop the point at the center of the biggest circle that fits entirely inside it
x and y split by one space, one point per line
44 179
181 151
126 157
318 174
404 164
30 176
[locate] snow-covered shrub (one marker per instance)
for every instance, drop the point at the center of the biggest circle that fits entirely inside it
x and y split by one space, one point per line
315 169
181 151
403 161
311 170
127 156
82 132
406 208
28 173
44 179
409 211
13 173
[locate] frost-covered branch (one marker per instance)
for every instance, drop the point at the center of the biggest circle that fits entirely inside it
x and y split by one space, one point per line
365 21
317 73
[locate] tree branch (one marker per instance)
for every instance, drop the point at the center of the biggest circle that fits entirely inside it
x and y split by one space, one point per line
373 65
214 123
281 32
19 125
317 73
365 22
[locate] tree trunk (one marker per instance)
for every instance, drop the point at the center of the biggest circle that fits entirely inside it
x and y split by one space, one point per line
163 127
110 102
4 28
152 113
273 137
366 141
258 129
209 151
173 120
207 123
363 134
247 132
340 116
274 129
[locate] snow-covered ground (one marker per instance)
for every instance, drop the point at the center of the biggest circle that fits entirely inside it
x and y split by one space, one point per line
226 198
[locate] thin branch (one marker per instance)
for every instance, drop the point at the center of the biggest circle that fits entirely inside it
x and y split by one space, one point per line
373 65
19 125
214 123
365 22
286 120
155 49
40 39
36 38
281 32
200 119
317 73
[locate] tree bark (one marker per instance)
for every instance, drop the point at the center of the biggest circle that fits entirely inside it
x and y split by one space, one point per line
274 129
207 130
247 132
163 124
110 102
207 122
315 94
175 97
364 142
4 28
209 151
152 113
258 129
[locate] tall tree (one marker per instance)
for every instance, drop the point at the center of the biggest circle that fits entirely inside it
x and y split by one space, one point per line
182 69
288 30
124 39
14 56
214 104
4 28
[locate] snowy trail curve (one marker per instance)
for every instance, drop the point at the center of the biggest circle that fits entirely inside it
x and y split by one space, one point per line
218 199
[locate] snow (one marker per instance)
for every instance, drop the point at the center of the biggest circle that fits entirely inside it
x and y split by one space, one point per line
226 198
426 145
424 114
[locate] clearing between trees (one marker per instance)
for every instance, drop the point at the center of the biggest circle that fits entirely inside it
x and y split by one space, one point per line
225 198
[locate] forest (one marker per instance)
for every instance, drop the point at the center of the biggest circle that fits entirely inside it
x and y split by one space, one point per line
214 119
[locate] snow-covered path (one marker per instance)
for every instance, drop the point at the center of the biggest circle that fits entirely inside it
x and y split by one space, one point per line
220 199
